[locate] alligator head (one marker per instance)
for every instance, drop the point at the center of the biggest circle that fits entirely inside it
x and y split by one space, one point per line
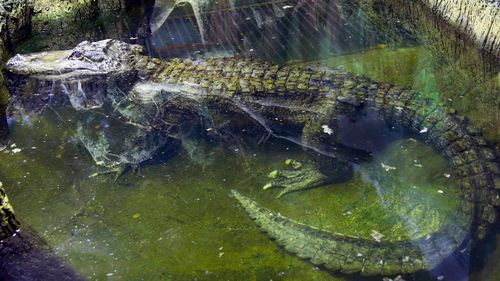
87 58
81 73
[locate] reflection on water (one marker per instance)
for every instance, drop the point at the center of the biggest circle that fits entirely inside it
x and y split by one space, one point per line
276 31
174 218
447 67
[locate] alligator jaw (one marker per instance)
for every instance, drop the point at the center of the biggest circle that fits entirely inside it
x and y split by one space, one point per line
82 73
51 64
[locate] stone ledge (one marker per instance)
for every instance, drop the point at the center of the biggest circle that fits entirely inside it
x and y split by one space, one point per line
478 19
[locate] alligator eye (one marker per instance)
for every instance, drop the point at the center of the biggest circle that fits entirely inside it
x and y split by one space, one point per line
76 54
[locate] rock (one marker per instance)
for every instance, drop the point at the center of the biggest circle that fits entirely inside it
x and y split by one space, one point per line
479 20
24 254
15 24
75 21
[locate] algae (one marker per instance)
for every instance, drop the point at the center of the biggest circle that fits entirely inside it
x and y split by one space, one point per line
160 224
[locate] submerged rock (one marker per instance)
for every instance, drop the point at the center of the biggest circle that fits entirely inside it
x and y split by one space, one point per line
479 20
24 255
15 23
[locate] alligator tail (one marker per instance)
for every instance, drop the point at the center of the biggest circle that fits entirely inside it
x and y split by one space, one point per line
474 164
350 254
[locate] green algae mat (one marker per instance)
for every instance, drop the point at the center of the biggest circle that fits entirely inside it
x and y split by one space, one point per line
176 220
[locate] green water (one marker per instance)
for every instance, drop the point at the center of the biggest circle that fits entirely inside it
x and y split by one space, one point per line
472 92
176 221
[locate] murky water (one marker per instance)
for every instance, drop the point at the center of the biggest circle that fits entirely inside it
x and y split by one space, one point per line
174 219
162 223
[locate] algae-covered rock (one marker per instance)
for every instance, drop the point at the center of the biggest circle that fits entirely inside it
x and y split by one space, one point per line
59 24
17 15
15 23
479 20
24 254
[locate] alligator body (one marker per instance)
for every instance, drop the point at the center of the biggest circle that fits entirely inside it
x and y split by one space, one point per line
303 105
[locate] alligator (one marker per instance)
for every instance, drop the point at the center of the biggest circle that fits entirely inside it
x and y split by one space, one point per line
305 105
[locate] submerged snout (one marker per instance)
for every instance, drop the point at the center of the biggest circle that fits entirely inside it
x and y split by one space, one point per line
51 65
35 80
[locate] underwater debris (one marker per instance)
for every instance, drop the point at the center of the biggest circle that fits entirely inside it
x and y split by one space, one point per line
327 130
387 168
377 236
293 163
398 278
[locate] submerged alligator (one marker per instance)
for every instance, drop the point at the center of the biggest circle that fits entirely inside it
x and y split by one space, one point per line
303 105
